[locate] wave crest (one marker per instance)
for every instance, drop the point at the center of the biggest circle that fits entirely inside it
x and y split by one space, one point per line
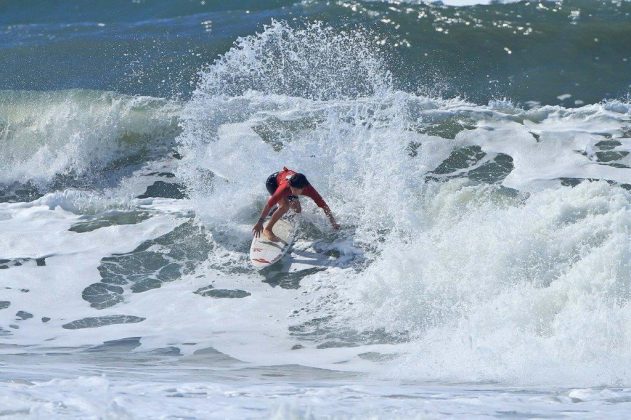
46 134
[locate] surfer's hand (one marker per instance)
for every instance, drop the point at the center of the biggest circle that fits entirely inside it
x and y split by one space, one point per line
256 230
336 226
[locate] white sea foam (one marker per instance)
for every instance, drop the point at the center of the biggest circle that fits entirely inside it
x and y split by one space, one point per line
519 292
106 397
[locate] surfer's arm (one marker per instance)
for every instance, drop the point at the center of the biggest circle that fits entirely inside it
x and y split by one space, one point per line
317 198
273 200
258 227
329 214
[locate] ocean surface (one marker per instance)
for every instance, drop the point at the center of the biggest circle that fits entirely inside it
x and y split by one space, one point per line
476 154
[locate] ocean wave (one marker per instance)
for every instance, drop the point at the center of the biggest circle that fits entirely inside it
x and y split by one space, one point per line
78 132
480 241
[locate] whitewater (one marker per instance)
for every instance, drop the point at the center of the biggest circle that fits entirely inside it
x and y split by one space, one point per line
482 269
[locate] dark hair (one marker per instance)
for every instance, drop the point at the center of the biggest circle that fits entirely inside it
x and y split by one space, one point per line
298 181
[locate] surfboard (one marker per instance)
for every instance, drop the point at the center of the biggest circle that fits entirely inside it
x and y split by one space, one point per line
264 253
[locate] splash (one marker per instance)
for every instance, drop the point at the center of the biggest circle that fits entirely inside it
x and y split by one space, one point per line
315 62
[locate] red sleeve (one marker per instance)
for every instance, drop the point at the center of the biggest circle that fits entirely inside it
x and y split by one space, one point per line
278 194
311 192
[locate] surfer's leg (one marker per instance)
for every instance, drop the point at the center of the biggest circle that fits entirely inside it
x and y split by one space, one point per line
283 206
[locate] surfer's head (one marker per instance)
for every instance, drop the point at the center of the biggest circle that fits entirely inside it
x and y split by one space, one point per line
297 183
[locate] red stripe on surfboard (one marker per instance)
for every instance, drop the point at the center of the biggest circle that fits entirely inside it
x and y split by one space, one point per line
261 260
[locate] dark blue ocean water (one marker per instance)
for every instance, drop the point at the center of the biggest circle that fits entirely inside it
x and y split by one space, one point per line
525 51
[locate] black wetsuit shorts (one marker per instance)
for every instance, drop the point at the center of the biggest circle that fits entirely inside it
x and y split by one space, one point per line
272 185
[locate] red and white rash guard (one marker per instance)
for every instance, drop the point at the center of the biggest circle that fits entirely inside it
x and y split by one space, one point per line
283 190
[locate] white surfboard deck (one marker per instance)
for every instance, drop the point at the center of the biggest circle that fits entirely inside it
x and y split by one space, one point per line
264 253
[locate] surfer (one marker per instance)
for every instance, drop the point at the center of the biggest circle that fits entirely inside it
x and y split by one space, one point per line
285 187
